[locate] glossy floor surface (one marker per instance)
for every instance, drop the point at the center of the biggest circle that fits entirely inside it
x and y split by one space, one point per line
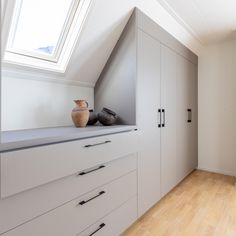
203 204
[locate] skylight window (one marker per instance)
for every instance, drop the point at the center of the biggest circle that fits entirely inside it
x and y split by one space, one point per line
40 25
45 31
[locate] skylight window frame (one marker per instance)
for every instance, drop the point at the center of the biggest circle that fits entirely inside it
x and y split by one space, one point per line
34 64
60 43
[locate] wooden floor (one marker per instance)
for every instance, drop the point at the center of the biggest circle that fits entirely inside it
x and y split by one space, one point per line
203 204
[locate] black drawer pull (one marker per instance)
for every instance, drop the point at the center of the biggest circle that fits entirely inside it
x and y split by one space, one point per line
99 228
96 144
89 171
84 202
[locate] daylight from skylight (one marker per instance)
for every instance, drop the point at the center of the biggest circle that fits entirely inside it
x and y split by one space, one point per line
40 25
42 34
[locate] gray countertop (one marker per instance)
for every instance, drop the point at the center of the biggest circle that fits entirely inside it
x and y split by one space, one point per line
13 140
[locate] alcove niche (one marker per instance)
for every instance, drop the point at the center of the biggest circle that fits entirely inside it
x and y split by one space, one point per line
116 86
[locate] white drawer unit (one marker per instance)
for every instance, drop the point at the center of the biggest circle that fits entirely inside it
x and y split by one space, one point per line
25 169
116 222
75 216
13 210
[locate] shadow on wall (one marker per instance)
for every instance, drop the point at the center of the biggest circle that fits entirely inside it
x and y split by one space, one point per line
57 112
227 105
217 108
28 104
220 36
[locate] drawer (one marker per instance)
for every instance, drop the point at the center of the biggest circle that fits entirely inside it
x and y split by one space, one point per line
18 209
77 215
29 168
116 222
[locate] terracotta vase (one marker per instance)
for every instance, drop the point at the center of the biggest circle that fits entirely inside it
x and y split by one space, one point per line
80 114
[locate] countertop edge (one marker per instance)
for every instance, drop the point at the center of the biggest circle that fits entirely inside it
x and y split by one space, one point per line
43 141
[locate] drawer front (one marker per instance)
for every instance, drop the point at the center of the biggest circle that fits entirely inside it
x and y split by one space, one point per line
25 206
28 168
116 222
77 215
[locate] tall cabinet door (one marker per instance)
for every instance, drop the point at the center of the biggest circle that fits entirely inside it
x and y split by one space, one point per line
168 131
194 116
148 118
184 142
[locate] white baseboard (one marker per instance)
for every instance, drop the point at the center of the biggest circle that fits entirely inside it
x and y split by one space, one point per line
230 173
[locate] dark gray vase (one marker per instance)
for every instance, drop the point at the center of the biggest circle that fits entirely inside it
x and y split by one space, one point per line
107 117
93 118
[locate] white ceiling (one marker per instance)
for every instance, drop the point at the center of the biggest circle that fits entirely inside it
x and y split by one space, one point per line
210 21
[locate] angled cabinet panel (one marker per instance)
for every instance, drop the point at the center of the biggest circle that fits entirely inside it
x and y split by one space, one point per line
116 86
148 102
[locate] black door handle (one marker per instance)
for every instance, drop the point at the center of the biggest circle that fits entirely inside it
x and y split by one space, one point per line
164 117
99 228
98 195
159 112
89 171
189 115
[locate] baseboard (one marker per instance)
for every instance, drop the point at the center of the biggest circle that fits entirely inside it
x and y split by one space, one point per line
230 173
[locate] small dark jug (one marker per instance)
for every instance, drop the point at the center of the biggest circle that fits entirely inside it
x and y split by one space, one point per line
93 118
107 116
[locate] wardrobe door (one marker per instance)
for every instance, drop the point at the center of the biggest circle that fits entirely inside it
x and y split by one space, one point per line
168 131
148 118
193 125
184 142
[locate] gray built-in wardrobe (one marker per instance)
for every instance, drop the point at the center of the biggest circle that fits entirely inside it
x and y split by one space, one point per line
150 80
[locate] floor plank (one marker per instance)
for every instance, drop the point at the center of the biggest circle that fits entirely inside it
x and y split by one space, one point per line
204 204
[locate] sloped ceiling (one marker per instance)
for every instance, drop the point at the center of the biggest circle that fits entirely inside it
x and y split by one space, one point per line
211 21
102 29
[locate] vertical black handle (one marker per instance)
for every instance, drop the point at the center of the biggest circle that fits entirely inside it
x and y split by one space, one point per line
164 117
99 228
189 115
159 112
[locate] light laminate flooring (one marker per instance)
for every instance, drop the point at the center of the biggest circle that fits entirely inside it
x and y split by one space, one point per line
203 204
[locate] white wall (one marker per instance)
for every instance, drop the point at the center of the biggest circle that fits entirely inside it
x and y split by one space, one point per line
32 104
217 108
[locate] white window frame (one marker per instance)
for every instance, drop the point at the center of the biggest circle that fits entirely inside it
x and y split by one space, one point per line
69 36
